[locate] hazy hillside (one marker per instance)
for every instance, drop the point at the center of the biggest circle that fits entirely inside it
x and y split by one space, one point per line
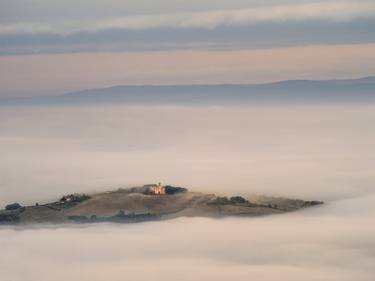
293 91
150 202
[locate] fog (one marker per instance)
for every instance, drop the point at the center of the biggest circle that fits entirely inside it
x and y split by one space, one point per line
320 244
322 152
313 152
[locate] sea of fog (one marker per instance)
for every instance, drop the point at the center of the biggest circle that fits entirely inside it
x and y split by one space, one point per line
313 152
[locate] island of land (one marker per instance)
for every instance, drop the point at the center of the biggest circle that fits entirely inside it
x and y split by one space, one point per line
146 203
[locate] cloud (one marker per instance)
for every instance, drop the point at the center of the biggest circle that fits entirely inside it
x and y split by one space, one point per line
258 27
340 11
333 11
224 37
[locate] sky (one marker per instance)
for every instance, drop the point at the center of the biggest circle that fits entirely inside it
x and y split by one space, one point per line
313 152
48 48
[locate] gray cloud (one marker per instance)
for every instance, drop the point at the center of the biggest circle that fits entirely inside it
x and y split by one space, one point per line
261 35
288 24
334 11
81 11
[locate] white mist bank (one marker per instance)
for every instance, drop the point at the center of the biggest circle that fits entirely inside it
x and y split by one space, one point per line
311 152
324 243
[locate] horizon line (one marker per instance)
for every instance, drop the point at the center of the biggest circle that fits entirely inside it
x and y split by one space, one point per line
193 85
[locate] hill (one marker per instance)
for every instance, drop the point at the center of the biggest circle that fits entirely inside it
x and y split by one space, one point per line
149 202
292 91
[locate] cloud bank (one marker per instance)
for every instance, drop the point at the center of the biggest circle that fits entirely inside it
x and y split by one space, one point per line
334 11
312 152
287 24
315 245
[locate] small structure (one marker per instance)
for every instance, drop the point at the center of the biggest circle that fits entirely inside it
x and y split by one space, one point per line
158 189
13 206
155 189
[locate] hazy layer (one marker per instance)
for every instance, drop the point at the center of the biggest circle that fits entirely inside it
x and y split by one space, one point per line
312 152
32 75
335 242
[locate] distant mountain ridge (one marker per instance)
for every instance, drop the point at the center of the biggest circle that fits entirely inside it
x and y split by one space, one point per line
289 91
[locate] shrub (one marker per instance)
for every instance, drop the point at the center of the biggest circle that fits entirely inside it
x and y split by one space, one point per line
13 206
238 199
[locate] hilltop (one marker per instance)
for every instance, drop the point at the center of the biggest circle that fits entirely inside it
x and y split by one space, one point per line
149 202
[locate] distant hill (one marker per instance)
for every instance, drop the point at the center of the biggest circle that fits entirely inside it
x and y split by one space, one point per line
292 91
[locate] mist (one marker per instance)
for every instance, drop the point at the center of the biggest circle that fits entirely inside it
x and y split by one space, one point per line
312 152
319 244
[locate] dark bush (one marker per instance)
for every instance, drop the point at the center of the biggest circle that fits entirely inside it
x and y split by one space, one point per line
238 199
174 189
13 206
74 198
221 200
